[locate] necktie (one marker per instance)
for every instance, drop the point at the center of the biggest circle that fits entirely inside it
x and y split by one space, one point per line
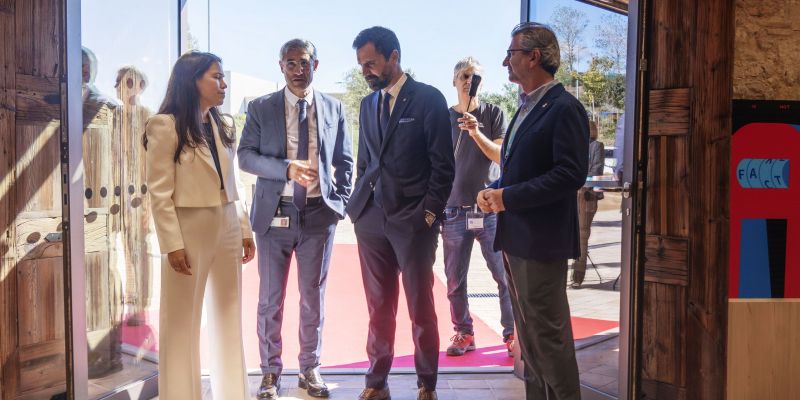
385 114
299 197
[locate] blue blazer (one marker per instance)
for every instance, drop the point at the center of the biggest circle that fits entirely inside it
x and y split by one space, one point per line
262 152
413 165
546 165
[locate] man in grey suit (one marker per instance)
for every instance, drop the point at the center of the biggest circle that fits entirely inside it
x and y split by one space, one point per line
296 141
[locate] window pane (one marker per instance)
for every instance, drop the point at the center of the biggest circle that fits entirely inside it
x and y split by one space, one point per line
128 52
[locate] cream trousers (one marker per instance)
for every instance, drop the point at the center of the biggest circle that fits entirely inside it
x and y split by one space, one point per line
213 244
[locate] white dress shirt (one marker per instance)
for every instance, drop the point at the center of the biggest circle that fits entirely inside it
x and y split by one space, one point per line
292 137
394 91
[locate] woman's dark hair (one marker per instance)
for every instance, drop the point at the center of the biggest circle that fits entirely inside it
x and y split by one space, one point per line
183 101
384 40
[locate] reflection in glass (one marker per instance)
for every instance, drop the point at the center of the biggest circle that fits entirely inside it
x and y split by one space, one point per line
103 305
131 119
126 62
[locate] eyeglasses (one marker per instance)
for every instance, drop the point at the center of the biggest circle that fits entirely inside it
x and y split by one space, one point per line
293 65
510 52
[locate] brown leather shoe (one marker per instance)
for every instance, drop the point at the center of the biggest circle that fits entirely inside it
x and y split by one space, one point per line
375 394
270 385
425 394
462 343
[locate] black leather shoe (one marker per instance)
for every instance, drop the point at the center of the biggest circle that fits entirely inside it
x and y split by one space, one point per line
311 381
375 394
270 385
425 394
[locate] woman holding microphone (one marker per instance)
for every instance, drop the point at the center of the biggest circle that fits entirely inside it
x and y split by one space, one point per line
203 232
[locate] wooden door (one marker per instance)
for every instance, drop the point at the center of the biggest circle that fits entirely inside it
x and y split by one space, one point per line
686 128
32 351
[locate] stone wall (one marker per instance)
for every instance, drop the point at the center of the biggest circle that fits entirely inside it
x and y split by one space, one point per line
767 50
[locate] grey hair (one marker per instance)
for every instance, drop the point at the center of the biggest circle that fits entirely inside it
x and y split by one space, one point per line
88 57
534 35
465 63
300 44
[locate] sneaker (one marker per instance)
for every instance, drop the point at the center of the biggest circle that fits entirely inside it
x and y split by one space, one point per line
462 343
509 341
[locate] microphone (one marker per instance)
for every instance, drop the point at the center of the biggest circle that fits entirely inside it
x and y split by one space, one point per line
473 86
473 90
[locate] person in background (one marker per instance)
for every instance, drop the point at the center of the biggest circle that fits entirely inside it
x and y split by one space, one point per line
478 129
203 233
587 204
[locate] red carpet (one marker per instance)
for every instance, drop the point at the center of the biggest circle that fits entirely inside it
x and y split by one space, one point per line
345 331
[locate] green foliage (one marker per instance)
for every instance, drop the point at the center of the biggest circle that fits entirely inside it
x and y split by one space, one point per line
602 88
506 99
603 94
355 89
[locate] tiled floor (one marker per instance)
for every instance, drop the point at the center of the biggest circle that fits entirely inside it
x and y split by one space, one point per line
598 357
403 387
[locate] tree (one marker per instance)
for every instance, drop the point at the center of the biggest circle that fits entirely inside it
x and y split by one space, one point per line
612 40
595 83
506 99
569 24
355 89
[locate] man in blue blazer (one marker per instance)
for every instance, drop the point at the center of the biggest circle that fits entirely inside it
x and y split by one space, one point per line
544 159
405 173
296 141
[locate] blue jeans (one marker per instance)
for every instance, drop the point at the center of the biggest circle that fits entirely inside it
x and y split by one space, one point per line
457 249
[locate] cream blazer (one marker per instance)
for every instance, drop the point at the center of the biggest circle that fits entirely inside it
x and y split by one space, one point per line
192 182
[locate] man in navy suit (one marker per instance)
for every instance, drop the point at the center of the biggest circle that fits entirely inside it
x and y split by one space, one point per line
544 162
405 173
296 141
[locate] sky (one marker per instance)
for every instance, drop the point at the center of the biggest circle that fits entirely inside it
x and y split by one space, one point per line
247 35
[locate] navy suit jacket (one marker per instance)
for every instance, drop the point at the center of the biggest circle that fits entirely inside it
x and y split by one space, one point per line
546 165
413 165
262 152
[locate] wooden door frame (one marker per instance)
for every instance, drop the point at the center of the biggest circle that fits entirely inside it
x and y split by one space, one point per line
704 324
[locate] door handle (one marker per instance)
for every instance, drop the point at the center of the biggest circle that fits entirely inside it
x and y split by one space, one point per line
626 190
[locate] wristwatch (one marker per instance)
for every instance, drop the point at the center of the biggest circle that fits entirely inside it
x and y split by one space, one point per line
430 218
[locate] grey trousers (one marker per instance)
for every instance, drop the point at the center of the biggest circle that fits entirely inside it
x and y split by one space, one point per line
544 330
310 237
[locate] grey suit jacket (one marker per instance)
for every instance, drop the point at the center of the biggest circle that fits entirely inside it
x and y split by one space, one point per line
262 152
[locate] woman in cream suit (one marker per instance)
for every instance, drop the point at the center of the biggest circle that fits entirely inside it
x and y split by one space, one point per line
205 235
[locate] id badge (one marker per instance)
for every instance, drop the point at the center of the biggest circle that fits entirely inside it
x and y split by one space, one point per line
280 222
474 220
